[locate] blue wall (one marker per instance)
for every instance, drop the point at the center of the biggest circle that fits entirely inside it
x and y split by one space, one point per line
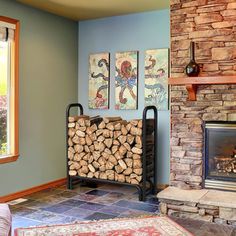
124 33
47 83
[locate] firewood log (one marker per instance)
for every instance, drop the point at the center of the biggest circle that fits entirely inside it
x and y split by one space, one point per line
87 123
117 134
124 131
83 128
113 160
116 143
86 149
101 161
96 165
100 138
128 127
102 125
91 168
83 163
118 155
136 156
71 149
81 174
122 150
96 174
114 149
118 169
90 175
84 169
88 140
96 155
134 122
137 164
76 165
81 122
122 164
111 134
106 133
70 155
134 181
121 178
139 178
108 151
91 148
117 126
127 146
91 129
102 168
103 175
108 142
72 172
127 179
105 155
137 150
129 154
130 139
110 126
71 132
129 162
138 171
110 175
138 139
109 166
99 132
71 125
81 140
140 124
128 171
111 119
78 148
86 157
122 139
135 131
93 137
75 139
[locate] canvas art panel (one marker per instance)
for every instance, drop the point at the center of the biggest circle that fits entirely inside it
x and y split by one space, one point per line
99 80
126 80
156 78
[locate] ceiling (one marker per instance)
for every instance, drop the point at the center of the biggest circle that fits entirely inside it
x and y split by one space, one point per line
92 9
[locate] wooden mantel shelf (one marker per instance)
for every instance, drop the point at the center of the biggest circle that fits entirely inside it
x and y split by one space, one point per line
192 83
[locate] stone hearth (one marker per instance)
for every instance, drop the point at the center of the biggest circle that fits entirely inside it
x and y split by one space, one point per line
208 205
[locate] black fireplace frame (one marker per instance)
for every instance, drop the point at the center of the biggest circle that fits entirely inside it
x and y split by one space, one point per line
206 175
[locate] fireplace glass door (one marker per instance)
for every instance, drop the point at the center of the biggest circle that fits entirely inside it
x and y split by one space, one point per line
220 155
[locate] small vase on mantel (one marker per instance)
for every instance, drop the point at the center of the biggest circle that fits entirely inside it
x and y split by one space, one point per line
192 69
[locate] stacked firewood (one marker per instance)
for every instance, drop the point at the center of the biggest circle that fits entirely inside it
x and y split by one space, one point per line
225 164
106 148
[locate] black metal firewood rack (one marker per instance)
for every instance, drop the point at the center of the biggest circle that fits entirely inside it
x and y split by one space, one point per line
148 185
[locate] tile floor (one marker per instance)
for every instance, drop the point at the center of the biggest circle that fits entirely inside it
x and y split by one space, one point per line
59 205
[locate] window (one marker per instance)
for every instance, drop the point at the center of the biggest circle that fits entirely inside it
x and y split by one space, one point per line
9 66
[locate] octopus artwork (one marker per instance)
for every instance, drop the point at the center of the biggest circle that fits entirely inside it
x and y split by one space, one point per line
126 80
99 79
156 78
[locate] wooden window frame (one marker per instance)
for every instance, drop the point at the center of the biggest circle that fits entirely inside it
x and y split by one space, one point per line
14 103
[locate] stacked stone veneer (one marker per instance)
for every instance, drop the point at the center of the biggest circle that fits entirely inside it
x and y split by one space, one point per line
211 24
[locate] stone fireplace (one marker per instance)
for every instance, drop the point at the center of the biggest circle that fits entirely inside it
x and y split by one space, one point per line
211 24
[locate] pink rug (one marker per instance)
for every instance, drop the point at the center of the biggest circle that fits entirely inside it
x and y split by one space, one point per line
145 226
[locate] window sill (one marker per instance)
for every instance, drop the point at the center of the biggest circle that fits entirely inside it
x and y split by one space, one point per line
7 159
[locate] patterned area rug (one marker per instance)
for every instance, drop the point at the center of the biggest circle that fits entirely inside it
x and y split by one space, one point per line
145 226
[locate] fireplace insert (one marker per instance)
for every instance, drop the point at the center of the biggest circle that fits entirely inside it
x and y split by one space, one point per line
220 155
